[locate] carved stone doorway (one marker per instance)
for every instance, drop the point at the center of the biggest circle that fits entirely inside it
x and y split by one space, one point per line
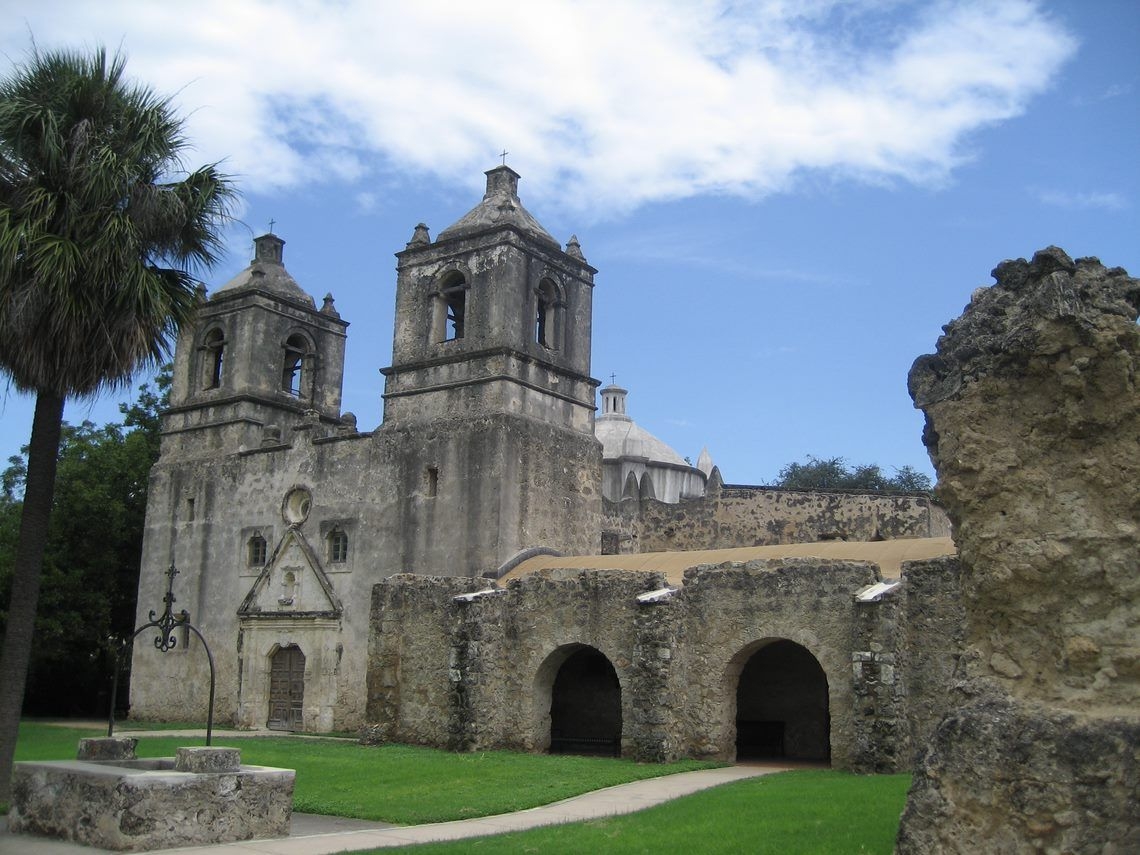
287 689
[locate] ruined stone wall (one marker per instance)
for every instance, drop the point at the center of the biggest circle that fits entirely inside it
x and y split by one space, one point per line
933 626
726 615
410 666
730 516
470 673
1033 424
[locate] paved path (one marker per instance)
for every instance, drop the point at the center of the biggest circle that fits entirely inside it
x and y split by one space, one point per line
317 835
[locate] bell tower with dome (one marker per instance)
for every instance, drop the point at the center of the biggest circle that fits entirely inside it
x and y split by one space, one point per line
490 386
260 355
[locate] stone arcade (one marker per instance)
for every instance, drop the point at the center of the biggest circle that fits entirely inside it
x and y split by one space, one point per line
420 579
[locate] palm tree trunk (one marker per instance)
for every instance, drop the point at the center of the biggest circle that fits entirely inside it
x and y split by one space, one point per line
39 487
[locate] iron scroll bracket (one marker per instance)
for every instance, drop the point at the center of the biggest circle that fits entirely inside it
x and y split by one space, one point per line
164 642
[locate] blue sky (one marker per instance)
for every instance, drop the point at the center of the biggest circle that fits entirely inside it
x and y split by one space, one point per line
785 201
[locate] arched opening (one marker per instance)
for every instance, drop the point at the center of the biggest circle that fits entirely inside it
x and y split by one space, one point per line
585 705
213 358
449 309
287 689
548 316
781 705
294 376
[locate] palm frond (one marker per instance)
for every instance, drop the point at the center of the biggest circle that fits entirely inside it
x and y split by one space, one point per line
100 239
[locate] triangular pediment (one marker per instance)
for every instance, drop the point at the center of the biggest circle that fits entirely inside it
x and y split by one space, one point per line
292 584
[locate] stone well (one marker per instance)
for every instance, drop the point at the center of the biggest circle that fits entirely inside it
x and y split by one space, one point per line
202 796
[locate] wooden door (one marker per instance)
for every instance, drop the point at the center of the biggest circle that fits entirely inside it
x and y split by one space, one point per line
287 689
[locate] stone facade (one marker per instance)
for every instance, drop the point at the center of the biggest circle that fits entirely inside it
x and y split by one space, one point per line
1033 422
458 664
281 514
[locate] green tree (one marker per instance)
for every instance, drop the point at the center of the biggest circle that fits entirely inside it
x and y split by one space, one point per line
90 569
833 473
101 230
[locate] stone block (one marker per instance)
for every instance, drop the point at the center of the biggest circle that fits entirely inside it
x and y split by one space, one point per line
142 805
107 748
206 760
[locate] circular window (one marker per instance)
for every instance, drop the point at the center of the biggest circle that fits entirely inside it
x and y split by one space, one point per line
295 509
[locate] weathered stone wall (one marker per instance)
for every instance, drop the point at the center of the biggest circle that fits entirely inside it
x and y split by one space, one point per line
933 626
476 672
409 673
1033 424
729 612
729 516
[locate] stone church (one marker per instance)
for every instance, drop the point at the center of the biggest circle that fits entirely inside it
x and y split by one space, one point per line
498 564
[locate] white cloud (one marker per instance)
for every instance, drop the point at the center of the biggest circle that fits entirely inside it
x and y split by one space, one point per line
1105 201
604 104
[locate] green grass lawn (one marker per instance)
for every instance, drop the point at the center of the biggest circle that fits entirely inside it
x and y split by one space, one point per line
391 783
809 812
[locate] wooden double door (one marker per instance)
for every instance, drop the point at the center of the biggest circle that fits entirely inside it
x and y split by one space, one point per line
287 689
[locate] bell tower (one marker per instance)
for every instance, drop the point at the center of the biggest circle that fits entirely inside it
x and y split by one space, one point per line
260 355
490 384
494 316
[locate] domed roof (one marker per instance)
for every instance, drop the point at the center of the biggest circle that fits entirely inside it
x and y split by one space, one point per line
266 272
621 437
500 207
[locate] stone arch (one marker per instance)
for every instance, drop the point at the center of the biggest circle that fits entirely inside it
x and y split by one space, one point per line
577 703
780 702
286 687
550 311
449 306
212 358
298 366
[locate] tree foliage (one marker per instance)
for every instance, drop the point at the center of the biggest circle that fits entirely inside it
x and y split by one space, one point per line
834 473
91 563
101 231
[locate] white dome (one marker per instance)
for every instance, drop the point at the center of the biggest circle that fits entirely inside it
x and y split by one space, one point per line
621 437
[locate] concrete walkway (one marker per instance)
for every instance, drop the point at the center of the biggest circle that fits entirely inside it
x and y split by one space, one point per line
318 835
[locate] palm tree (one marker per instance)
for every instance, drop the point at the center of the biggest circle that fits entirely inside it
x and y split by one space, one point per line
100 232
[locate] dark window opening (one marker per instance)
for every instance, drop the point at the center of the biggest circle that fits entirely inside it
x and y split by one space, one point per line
548 316
585 706
256 553
611 543
431 482
293 376
338 546
449 320
215 350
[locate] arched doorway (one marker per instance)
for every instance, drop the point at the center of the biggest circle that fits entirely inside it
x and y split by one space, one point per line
287 689
781 705
585 706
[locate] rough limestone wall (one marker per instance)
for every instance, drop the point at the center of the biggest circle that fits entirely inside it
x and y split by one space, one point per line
757 516
730 611
934 629
474 675
410 658
1033 423
881 726
528 633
